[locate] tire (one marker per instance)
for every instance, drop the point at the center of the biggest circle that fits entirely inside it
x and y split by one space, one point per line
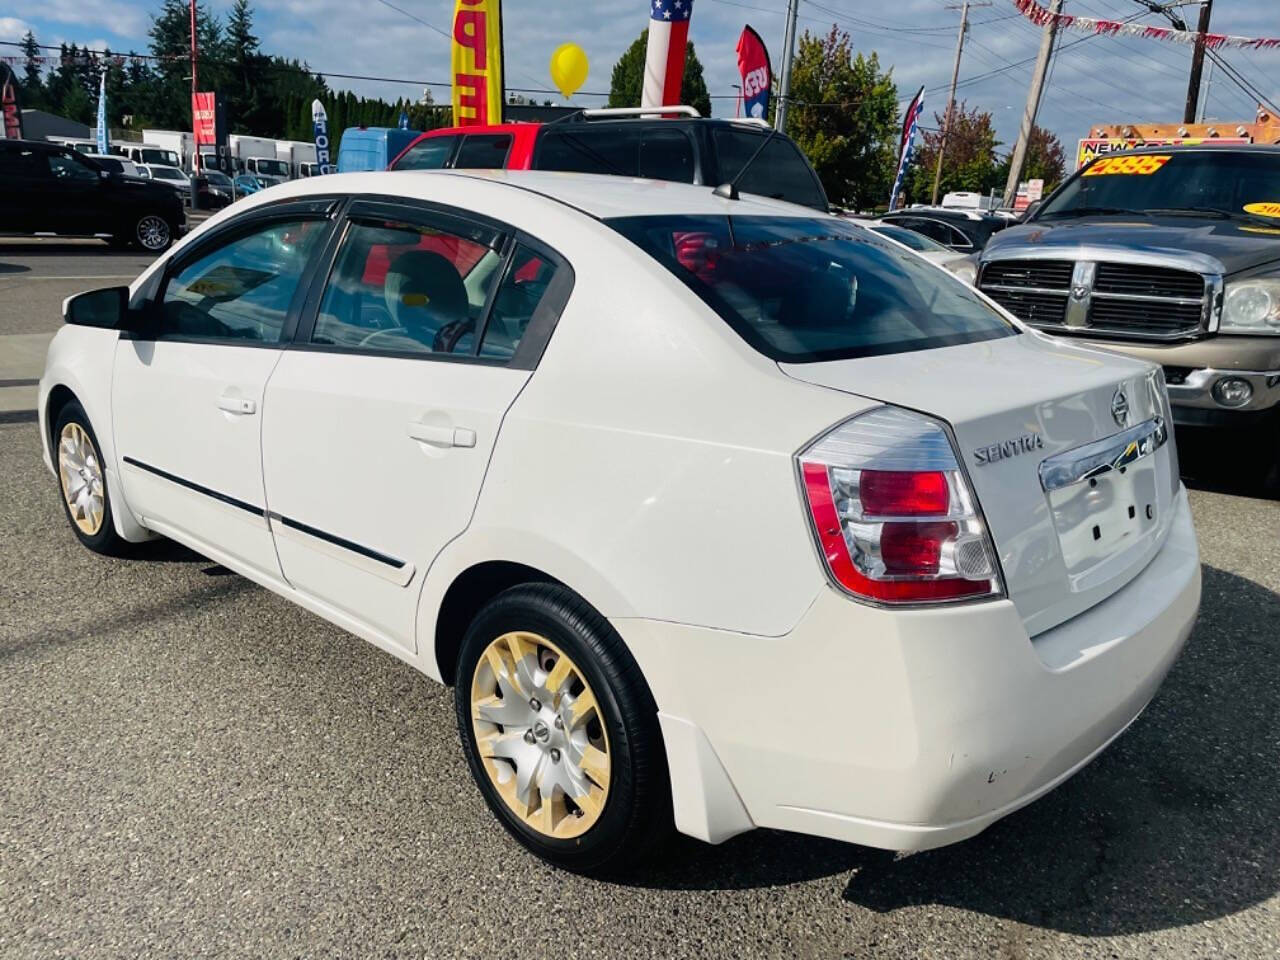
609 754
152 232
87 506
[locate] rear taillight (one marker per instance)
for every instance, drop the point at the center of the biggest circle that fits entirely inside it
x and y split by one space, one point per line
893 514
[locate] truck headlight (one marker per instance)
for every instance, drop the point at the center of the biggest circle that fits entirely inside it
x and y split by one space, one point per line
965 269
1252 306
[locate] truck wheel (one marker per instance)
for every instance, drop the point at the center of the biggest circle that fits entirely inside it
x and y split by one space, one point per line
152 233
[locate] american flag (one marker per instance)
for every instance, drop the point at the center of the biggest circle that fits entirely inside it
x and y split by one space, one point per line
664 57
910 124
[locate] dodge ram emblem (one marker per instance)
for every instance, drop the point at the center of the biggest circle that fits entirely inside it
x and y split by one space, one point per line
1120 407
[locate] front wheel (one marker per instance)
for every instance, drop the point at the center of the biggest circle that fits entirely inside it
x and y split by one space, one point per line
83 481
561 732
152 233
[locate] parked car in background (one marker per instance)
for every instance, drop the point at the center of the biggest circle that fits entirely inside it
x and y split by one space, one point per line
170 176
247 183
371 148
965 231
961 264
46 188
1171 255
147 153
623 142
114 164
736 514
217 190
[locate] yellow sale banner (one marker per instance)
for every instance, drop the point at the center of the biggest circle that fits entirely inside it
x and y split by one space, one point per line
477 62
1092 148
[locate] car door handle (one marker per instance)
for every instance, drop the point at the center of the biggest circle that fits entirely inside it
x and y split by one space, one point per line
240 406
442 436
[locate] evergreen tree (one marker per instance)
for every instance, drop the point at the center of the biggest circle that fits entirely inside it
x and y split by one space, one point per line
171 41
628 79
32 85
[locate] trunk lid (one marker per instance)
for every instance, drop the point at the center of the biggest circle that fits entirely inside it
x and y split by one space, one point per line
1013 404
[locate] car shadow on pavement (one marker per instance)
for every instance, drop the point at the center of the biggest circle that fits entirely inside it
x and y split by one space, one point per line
1177 823
14 268
1227 462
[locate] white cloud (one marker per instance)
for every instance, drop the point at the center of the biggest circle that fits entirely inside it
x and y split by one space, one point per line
11 28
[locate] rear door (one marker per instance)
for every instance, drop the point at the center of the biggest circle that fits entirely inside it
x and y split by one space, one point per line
381 420
21 166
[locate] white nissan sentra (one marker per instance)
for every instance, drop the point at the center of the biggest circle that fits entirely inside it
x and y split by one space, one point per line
715 512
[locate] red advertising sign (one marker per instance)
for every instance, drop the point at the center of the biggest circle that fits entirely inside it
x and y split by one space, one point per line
204 123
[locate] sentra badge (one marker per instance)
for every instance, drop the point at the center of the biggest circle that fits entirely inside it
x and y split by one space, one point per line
1027 443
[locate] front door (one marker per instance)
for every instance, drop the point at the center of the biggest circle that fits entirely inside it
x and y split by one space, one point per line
187 394
380 423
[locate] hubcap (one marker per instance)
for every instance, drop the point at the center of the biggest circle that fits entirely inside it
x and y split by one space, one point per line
153 232
81 476
541 734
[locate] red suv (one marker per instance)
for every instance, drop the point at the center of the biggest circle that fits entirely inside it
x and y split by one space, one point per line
685 148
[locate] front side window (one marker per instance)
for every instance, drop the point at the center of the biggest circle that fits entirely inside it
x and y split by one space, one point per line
429 154
242 291
408 288
483 152
800 289
780 171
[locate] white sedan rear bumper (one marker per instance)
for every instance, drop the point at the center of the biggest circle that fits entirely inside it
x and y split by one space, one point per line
907 729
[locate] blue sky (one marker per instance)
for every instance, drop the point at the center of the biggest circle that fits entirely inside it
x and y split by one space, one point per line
1101 80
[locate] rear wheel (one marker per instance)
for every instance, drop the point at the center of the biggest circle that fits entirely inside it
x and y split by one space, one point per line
83 482
561 732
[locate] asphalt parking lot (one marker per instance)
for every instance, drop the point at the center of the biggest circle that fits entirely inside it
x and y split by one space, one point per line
191 766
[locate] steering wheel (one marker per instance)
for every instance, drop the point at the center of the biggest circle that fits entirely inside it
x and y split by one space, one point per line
378 333
447 337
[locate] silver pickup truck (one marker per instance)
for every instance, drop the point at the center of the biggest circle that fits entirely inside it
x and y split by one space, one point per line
1171 255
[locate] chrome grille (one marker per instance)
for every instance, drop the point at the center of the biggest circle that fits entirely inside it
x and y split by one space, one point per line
1035 307
1045 274
1123 299
1130 278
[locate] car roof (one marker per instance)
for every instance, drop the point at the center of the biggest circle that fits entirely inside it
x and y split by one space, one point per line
598 195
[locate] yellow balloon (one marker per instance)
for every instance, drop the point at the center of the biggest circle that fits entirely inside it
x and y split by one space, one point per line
569 68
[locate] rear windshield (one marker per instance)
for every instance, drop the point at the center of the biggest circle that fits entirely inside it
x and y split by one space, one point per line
802 290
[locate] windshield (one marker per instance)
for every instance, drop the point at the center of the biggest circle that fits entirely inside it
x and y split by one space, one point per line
273 168
217 179
167 173
1220 180
916 241
165 157
800 289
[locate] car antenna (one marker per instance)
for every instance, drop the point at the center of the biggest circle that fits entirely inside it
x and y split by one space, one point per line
729 189
573 115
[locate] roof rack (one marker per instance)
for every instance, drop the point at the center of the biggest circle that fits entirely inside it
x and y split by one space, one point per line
604 113
752 121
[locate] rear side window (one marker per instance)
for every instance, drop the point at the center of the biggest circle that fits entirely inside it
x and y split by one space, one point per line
17 161
429 154
408 288
780 171
800 289
613 150
483 152
522 289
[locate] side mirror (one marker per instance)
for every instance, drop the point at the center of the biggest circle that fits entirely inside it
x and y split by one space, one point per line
1032 207
106 308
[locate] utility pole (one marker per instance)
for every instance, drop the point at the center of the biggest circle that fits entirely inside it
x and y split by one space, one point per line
195 162
951 99
1033 104
1197 63
788 54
